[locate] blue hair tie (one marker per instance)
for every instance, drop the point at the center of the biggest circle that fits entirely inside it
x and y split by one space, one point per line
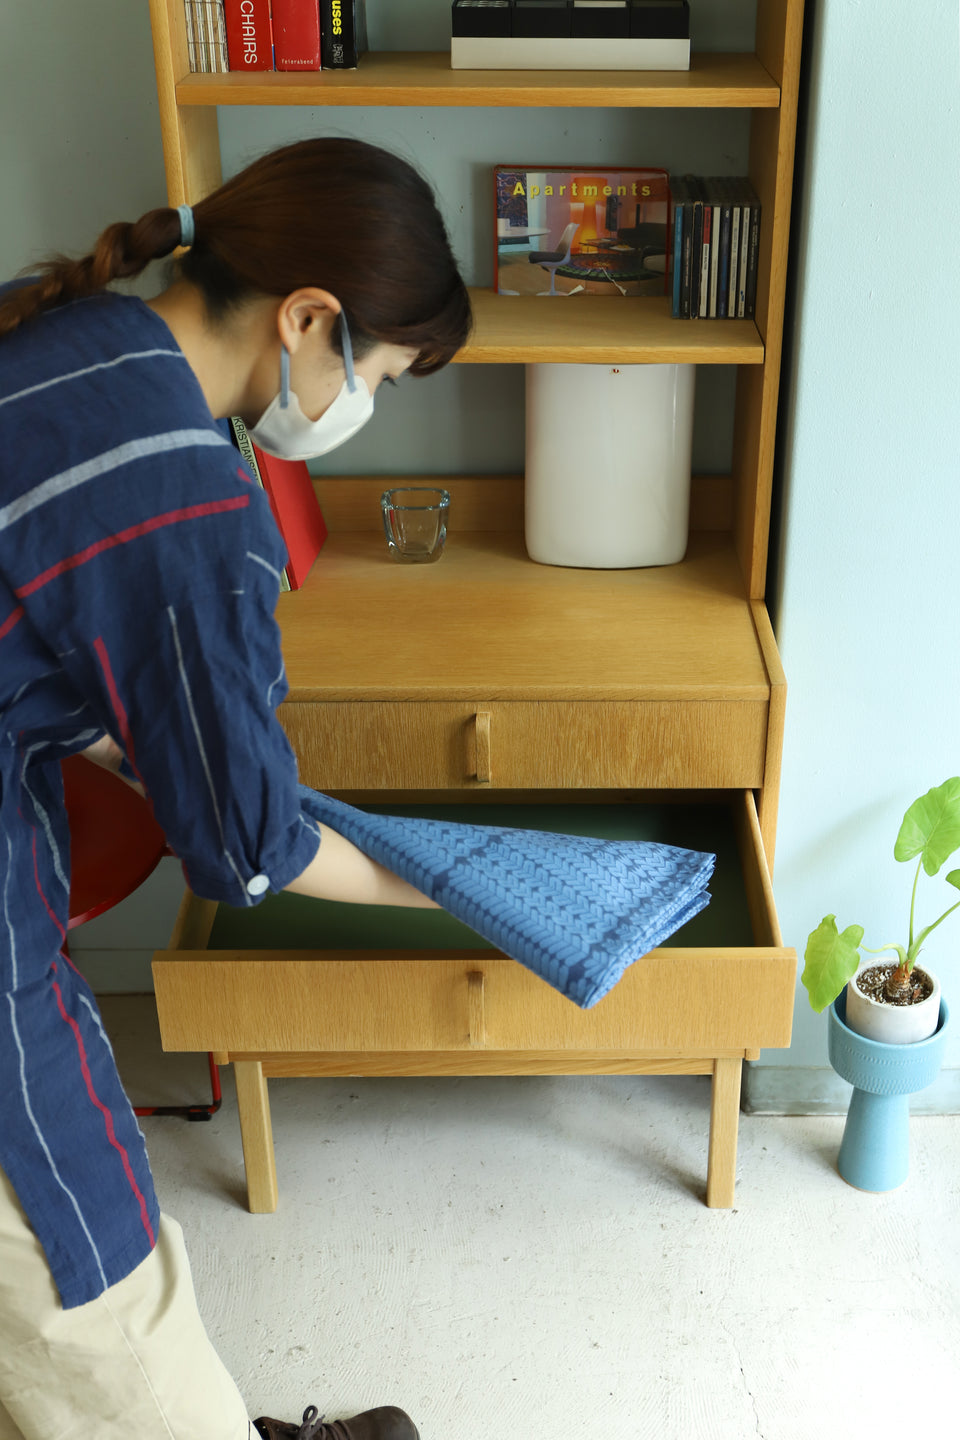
187 227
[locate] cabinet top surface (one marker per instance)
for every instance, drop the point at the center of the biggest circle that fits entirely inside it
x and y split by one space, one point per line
485 622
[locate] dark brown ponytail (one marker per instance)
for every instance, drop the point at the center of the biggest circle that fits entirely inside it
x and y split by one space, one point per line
121 251
336 213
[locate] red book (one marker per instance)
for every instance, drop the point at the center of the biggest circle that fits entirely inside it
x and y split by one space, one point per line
249 34
293 501
296 34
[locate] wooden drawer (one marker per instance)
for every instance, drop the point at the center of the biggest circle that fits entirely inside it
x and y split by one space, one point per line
698 1006
528 745
426 1011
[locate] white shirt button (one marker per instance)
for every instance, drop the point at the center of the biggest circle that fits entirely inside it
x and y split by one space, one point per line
258 885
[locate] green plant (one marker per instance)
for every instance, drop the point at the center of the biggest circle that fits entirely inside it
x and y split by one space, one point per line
930 829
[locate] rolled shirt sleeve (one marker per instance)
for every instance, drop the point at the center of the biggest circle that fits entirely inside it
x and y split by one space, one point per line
190 692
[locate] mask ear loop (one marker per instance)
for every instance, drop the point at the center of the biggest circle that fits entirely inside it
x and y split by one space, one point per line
347 364
284 377
347 353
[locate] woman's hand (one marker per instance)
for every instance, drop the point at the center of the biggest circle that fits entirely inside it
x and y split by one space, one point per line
107 754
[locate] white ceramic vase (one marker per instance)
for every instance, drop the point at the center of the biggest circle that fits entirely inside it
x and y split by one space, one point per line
892 1024
608 464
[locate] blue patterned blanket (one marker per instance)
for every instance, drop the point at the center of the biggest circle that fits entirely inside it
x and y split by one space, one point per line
573 909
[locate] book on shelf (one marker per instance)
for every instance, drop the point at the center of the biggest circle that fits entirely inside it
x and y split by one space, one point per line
680 192
715 238
707 255
296 34
696 206
206 36
734 261
293 501
343 33
747 302
584 231
249 34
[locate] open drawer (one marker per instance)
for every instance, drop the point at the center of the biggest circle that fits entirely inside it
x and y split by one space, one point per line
303 987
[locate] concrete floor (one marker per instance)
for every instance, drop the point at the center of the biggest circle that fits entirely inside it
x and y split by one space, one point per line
531 1259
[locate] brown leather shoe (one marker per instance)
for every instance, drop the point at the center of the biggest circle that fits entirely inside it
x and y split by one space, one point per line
384 1423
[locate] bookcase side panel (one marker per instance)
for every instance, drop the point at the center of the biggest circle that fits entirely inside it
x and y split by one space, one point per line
772 147
190 138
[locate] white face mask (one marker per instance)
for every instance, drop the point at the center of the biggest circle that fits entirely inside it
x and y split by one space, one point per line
283 429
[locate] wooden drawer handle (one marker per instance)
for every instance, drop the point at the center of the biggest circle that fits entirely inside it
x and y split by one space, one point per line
476 1018
482 720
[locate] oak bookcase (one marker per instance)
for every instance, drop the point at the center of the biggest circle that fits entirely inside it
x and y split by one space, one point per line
555 685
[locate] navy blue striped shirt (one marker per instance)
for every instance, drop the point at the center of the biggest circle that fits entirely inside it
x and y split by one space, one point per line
139 571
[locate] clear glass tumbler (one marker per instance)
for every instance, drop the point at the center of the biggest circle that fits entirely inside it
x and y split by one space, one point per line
415 523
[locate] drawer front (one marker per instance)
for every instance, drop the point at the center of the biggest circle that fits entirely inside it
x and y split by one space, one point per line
554 745
674 1001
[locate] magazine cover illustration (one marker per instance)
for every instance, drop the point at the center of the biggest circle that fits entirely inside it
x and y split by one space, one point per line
581 232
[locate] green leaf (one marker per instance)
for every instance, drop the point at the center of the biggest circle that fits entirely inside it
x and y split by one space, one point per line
954 878
931 827
831 960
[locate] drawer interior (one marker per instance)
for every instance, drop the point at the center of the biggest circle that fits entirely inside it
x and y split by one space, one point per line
293 922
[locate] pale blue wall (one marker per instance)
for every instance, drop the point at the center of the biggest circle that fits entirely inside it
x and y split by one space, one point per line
867 607
866 599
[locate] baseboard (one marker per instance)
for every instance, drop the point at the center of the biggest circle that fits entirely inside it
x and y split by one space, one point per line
818 1090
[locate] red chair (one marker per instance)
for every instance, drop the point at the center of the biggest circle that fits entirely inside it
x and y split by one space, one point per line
115 844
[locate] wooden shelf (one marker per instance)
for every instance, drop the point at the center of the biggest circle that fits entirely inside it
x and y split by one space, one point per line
601 330
486 622
424 78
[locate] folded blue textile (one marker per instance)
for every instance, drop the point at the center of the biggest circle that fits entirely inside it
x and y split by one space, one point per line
573 909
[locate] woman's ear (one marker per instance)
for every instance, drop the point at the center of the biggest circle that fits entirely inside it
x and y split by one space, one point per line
304 310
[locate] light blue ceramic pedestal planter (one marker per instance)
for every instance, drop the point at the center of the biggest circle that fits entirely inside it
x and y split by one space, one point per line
875 1151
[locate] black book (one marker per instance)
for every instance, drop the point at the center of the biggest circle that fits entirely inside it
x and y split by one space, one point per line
681 192
696 248
750 259
723 261
343 33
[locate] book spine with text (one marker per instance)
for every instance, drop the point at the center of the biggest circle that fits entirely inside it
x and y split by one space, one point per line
676 266
682 193
296 35
696 248
714 252
736 218
742 267
343 33
249 34
723 259
753 256
706 253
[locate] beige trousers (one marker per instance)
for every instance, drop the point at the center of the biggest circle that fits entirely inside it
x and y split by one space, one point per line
134 1364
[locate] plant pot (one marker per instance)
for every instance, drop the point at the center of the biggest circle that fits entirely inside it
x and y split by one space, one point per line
892 1024
875 1151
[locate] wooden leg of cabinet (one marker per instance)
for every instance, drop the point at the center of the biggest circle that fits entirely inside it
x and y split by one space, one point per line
724 1122
256 1132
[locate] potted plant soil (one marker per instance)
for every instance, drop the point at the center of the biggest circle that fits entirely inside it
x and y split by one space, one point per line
887 1019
